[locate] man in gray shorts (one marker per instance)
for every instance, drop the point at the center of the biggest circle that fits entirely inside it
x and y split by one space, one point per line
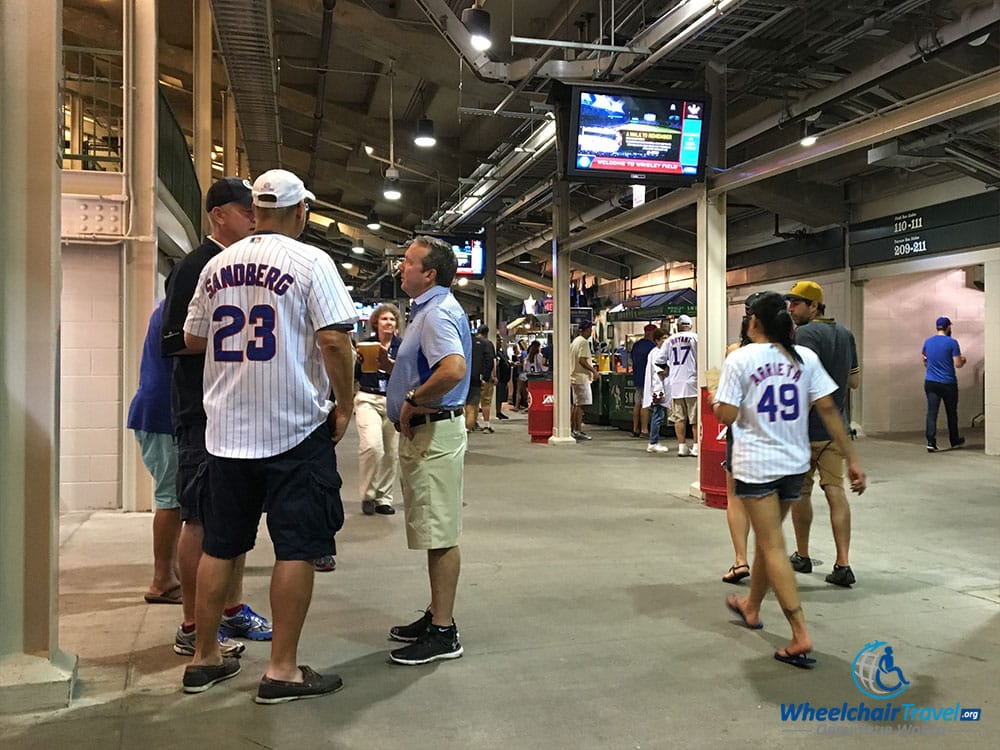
580 378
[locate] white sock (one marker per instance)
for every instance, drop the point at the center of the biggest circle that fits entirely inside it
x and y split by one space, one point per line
486 423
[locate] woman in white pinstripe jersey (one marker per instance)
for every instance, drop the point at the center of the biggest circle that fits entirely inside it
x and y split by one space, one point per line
765 391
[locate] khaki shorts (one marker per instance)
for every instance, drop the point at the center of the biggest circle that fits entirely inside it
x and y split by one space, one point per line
431 470
684 409
830 461
486 391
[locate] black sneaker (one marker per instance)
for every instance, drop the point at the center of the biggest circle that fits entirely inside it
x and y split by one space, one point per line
801 564
313 685
410 633
199 678
385 509
368 507
433 645
502 416
958 443
931 448
842 575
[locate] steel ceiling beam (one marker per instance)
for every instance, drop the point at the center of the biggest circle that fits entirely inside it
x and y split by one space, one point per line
954 101
975 21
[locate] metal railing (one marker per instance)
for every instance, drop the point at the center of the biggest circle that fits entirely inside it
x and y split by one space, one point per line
92 109
93 126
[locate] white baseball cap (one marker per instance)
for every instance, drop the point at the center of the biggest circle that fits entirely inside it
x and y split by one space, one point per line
279 188
684 320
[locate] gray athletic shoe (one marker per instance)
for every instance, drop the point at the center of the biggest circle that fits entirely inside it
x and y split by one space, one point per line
184 644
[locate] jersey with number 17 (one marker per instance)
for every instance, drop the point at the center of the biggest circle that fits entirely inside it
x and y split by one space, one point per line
773 394
259 303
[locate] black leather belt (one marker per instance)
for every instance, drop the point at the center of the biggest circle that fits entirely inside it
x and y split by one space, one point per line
373 391
435 417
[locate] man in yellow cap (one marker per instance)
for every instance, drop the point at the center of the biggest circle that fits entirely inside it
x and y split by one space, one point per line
835 347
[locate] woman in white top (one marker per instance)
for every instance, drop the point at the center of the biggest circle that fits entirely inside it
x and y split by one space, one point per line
765 392
534 360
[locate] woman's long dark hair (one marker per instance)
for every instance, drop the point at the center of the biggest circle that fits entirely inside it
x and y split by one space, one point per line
772 312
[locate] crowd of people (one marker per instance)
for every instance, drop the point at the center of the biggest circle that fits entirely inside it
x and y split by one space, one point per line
250 377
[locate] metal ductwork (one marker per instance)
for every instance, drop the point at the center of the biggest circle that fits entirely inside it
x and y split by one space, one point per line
245 38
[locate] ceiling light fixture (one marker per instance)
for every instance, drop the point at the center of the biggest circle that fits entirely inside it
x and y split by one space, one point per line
369 149
424 136
390 188
358 247
808 136
524 259
373 222
477 21
347 265
462 281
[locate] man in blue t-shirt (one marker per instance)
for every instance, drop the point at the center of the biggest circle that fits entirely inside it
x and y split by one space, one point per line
640 355
942 356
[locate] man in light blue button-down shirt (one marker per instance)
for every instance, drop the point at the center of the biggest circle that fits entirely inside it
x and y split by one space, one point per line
425 398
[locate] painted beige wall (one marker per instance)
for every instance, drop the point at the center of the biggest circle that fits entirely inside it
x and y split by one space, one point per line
899 315
90 378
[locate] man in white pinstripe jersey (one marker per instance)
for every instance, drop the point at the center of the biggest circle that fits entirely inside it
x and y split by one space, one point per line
274 319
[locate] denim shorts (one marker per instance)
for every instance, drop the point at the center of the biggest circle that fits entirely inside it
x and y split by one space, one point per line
788 488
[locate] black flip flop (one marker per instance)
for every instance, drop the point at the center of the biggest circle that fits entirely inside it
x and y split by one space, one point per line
802 661
733 577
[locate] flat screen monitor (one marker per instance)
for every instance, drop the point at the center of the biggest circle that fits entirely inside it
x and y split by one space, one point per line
470 253
636 136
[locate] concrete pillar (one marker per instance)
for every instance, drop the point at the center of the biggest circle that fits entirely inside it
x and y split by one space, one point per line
711 281
711 285
139 281
202 113
230 159
710 266
853 318
991 361
562 367
34 674
490 279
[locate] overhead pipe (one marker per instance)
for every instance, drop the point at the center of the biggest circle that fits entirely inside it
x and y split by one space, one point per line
674 20
545 237
322 68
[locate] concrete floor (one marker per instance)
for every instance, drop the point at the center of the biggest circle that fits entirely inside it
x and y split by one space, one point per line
591 613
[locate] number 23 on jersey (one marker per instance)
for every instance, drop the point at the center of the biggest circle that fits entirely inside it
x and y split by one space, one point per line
261 346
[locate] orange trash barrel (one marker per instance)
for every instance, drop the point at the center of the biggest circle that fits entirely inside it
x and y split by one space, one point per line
712 450
540 401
